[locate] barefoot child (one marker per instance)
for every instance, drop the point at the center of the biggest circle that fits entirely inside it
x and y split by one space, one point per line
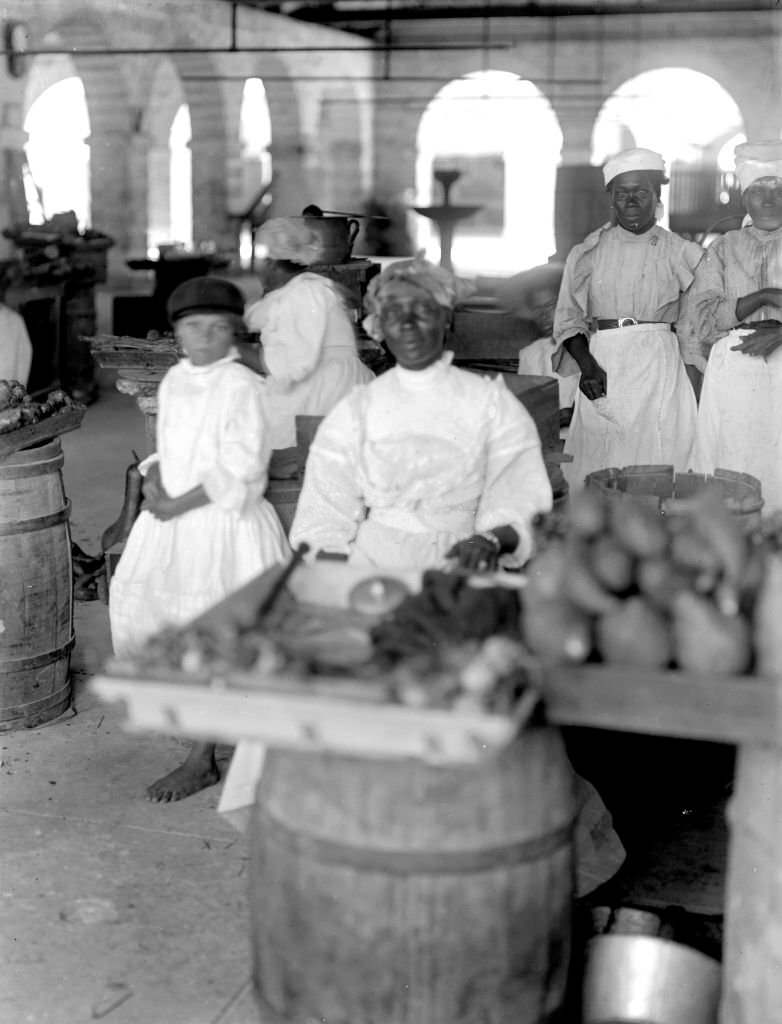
205 528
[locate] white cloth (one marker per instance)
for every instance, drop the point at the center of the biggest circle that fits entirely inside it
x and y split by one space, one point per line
403 468
309 347
756 160
735 264
210 431
740 417
740 413
16 352
648 414
538 358
632 160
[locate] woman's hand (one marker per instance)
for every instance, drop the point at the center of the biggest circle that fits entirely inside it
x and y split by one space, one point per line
475 553
593 383
764 339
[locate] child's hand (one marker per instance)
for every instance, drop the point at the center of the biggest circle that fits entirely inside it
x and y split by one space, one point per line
163 508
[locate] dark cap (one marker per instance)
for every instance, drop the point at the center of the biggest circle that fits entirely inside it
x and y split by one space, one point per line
204 295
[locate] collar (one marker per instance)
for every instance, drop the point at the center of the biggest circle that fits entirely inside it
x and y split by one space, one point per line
202 371
424 378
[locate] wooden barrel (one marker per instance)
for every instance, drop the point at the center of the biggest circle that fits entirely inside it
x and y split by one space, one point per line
36 594
396 892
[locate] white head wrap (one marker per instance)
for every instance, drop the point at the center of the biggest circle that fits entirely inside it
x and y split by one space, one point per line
632 160
758 160
290 238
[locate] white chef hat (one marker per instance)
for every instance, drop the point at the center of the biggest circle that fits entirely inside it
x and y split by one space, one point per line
758 160
632 160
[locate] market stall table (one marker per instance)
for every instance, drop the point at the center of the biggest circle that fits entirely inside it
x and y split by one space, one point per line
741 710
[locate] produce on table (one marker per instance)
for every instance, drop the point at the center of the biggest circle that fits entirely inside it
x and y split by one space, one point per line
616 581
17 408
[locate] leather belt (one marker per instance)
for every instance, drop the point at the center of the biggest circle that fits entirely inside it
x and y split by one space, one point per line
627 321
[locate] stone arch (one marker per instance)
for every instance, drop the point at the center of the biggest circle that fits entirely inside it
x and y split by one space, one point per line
518 215
685 115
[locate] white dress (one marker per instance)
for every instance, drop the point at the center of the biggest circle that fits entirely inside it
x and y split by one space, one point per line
211 431
16 352
309 346
417 460
648 414
740 411
398 472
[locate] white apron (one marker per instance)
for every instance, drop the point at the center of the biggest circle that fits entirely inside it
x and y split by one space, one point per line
647 416
740 417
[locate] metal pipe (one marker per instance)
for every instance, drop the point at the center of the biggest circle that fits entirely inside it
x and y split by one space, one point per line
522 10
137 52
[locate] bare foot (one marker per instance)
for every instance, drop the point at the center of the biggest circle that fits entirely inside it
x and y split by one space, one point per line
198 772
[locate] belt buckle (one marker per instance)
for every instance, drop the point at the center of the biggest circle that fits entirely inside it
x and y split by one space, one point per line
627 321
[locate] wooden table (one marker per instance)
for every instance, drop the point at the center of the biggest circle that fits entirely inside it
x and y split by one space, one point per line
743 711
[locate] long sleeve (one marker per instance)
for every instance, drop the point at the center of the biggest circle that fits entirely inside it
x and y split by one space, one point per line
331 505
709 311
16 351
572 316
516 485
292 322
239 473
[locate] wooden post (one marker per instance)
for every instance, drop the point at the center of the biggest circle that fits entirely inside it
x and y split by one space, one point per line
752 959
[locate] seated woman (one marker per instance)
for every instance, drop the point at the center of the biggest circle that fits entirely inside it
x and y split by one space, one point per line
308 343
428 462
735 314
425 464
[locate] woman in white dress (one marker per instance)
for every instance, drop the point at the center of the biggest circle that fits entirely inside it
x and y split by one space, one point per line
618 306
205 527
308 342
428 461
735 310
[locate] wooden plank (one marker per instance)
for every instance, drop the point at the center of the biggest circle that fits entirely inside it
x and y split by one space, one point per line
727 709
291 718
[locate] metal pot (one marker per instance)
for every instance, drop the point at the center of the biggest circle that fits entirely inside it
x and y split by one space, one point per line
640 979
337 235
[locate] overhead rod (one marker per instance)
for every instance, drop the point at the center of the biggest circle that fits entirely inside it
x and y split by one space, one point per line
374 78
141 52
525 10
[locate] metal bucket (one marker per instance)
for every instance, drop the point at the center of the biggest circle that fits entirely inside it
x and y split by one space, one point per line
641 979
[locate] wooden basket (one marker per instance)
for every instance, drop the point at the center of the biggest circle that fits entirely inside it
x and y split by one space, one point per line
342 714
117 352
35 433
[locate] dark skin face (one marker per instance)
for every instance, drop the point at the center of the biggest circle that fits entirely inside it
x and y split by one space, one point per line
542 302
413 326
634 200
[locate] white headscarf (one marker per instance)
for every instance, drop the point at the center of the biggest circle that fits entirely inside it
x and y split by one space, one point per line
758 160
289 238
632 160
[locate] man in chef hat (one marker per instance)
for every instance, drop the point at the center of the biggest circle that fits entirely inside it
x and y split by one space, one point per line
735 313
616 316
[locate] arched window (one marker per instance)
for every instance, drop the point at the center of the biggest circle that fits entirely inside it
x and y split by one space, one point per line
687 117
181 181
500 132
58 154
255 137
